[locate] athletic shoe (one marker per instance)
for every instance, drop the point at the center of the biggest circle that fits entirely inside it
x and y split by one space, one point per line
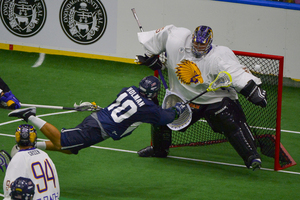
146 152
256 164
4 159
23 113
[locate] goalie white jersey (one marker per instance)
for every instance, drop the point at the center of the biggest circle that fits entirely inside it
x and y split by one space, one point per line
188 75
38 166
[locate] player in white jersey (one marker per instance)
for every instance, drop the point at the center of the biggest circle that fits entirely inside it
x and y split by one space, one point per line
193 62
34 164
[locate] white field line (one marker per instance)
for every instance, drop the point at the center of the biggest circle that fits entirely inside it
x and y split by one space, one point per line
180 158
129 151
272 129
39 61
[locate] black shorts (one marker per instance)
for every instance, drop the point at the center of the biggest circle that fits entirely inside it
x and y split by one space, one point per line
86 134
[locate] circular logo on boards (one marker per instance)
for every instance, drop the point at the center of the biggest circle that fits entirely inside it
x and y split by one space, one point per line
84 22
23 18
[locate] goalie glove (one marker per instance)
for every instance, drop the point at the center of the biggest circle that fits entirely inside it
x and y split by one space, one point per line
152 62
11 101
179 109
255 94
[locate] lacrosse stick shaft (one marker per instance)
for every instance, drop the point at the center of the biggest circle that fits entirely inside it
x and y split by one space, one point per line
46 106
189 101
141 28
137 19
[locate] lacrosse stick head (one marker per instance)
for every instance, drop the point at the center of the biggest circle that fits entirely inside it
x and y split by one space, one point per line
223 80
184 119
87 106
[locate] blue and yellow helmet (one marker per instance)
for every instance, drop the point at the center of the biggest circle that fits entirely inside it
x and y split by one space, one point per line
202 35
26 135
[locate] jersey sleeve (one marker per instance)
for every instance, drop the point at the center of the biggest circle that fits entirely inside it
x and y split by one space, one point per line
15 169
240 74
166 116
155 41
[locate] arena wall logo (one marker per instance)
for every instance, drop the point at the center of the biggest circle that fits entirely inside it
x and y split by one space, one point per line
84 22
23 18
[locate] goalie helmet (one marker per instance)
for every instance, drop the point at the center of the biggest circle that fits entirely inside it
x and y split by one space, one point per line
149 86
22 188
202 40
26 135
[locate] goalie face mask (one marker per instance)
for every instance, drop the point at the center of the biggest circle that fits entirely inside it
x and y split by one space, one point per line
202 40
149 86
26 135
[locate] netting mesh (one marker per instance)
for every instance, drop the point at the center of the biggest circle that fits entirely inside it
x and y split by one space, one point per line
262 121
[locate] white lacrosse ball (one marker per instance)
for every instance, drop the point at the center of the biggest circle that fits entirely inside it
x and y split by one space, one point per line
257 67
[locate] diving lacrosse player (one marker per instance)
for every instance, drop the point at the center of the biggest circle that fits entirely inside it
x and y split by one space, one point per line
132 107
32 163
7 98
193 62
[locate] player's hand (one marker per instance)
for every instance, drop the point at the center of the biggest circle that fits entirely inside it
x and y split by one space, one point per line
255 94
152 62
259 97
11 101
179 108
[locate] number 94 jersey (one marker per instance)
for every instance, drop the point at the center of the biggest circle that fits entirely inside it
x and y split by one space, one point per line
36 165
129 110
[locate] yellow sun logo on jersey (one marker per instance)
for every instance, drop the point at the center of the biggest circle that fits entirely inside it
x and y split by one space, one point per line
188 72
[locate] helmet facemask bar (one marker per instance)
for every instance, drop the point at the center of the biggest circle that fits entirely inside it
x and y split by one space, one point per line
26 135
203 35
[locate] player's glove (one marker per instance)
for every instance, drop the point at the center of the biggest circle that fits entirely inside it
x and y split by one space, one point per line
11 101
152 62
255 94
179 108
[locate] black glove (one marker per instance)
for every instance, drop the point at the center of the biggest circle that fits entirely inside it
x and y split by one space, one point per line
255 94
152 62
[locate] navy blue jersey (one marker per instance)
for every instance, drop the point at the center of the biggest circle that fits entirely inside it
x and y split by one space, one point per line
129 110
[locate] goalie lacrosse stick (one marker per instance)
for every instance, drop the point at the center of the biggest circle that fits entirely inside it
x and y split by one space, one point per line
223 80
84 106
170 98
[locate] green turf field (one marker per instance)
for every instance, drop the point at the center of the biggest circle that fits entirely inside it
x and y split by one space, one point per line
112 169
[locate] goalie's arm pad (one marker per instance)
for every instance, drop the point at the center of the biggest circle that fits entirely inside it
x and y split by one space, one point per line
255 94
152 62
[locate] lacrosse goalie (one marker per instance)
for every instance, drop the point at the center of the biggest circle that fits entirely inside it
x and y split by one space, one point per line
132 107
193 62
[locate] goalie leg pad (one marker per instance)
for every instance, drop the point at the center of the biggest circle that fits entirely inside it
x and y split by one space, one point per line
161 140
229 119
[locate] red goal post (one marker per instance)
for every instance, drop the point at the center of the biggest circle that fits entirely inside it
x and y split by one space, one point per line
265 123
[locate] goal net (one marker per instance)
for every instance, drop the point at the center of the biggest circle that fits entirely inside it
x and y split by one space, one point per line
264 123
